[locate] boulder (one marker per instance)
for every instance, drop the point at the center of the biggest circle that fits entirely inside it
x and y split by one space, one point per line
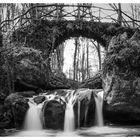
121 79
85 106
122 113
16 107
30 69
39 99
53 112
5 120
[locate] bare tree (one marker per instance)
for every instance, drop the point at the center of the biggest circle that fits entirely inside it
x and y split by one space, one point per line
98 49
74 59
119 14
87 46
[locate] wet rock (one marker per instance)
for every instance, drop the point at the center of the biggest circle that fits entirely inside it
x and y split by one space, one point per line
16 107
86 103
121 80
53 112
39 99
4 120
122 113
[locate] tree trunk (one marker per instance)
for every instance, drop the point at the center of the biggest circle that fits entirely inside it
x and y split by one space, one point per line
58 58
99 55
119 14
1 36
133 15
8 76
87 59
82 67
74 59
33 12
1 44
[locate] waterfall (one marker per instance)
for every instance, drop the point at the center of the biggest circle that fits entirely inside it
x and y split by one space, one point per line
86 112
33 118
99 111
79 103
69 124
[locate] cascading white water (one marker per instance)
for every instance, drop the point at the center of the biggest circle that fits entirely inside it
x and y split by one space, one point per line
32 119
69 118
79 103
69 124
86 111
99 112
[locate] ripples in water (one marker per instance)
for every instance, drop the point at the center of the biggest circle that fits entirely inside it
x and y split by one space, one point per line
105 131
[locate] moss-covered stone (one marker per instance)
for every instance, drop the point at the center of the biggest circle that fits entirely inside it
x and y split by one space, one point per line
121 74
47 35
15 108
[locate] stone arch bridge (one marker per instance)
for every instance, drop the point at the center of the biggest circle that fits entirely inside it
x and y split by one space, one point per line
47 35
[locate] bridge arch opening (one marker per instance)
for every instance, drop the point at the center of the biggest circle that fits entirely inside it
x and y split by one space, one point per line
79 58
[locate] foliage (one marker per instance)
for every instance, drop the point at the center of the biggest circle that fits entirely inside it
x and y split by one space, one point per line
21 62
123 55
